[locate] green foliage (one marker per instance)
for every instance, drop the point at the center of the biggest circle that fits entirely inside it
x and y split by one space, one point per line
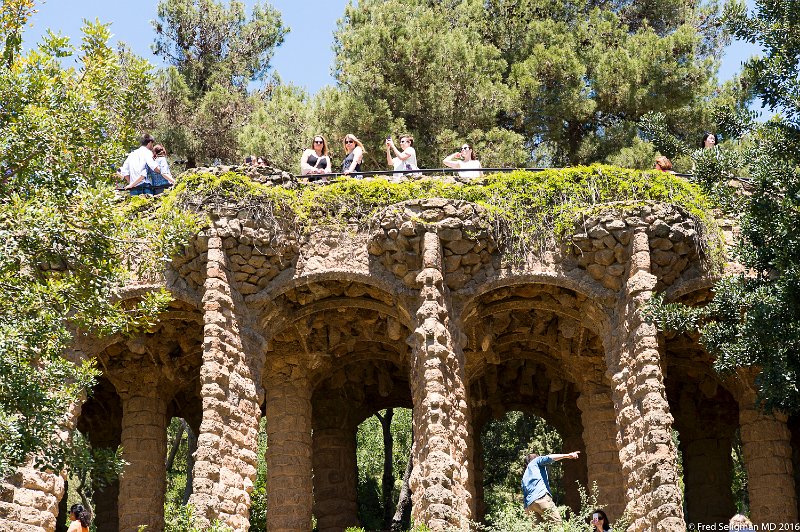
93 468
515 519
369 456
214 49
532 207
62 233
754 319
258 505
182 519
417 60
568 79
280 128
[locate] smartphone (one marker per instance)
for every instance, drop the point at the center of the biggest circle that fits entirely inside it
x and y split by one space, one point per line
388 139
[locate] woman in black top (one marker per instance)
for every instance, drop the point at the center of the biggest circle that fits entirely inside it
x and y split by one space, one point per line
355 154
315 160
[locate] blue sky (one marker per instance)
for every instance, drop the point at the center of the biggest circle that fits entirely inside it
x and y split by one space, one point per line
305 58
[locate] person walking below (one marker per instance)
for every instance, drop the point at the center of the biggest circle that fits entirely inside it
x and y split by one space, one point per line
536 493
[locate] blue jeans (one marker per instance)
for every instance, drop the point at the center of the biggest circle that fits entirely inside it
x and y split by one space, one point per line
141 188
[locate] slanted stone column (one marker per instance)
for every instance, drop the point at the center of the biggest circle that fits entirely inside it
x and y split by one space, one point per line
289 466
768 459
602 456
143 484
226 460
441 482
335 467
29 500
644 423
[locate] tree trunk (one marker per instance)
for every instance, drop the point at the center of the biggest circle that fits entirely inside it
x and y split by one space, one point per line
176 444
388 466
402 516
191 448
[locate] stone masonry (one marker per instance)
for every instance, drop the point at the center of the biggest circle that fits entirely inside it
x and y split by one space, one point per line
422 306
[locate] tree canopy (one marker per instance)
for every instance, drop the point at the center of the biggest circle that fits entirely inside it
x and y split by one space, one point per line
214 51
63 132
754 319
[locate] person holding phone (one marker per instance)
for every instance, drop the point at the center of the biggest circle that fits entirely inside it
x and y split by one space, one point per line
405 161
465 158
354 151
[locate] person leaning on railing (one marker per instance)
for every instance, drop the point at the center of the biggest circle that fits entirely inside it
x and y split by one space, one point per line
404 161
354 151
465 158
315 160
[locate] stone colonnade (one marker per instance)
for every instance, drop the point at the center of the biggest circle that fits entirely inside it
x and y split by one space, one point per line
627 424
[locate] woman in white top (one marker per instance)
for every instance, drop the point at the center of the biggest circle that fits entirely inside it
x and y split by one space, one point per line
315 160
405 160
466 158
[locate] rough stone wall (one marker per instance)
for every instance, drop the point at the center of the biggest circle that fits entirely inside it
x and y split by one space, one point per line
768 458
335 467
226 459
336 306
647 452
440 482
144 439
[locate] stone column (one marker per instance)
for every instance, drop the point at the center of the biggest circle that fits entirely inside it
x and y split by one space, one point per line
441 481
768 459
143 484
647 452
602 456
289 467
226 460
335 467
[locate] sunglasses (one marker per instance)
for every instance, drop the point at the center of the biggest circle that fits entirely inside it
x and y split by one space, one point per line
349 142
404 140
465 148
318 142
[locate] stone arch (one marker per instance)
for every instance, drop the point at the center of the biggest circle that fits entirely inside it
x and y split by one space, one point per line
154 375
336 348
524 336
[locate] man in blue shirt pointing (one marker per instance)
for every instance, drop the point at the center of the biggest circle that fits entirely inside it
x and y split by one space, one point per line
536 486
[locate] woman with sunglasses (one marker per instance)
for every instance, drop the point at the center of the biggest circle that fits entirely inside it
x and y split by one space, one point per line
354 151
465 158
315 160
600 521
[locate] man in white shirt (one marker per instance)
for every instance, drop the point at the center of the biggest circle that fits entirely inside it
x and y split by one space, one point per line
134 169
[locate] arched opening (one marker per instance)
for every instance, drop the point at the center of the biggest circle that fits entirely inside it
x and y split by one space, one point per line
706 420
383 450
359 407
504 442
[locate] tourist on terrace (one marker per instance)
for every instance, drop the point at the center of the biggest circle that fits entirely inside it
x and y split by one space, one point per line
663 164
261 161
315 160
135 168
600 521
164 180
536 486
465 158
709 140
405 160
80 519
354 151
